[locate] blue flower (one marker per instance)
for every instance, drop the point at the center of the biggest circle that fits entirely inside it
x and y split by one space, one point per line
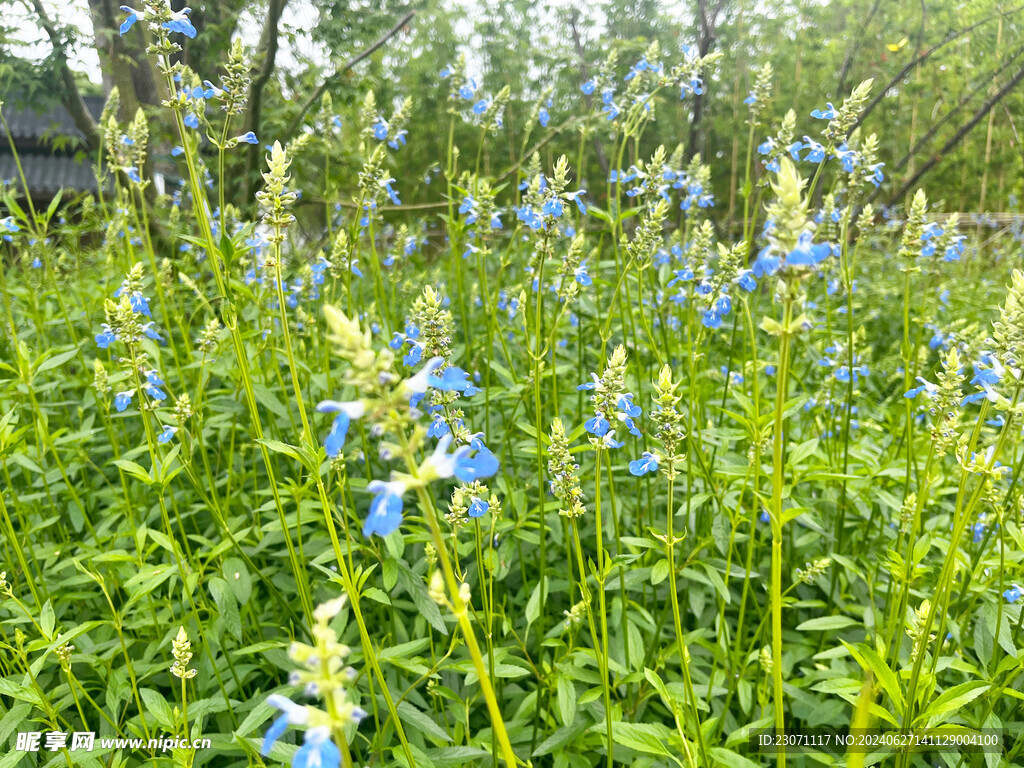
438 427
398 139
766 263
979 532
825 114
552 207
248 138
581 276
807 253
385 509
167 435
468 205
609 440
577 197
543 117
191 121
648 462
317 750
346 411
179 23
451 380
712 319
628 407
987 377
121 400
380 129
460 463
480 107
106 337
751 99
1013 594
422 380
598 425
133 16
140 304
746 280
478 507
926 386
153 384
294 714
414 355
589 87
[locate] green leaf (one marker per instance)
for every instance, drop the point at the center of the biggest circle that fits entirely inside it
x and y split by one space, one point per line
952 699
405 650
377 595
869 659
538 597
56 360
803 451
269 400
730 759
823 623
566 700
456 757
418 591
157 706
419 721
47 620
278 447
146 580
227 605
659 572
135 470
643 737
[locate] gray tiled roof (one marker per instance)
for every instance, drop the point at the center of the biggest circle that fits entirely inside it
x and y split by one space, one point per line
29 125
46 174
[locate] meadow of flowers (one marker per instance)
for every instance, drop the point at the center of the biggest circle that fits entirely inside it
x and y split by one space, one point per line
572 472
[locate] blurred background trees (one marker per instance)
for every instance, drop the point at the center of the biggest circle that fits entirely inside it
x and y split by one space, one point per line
946 102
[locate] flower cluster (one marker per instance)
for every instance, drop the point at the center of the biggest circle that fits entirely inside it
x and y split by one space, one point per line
610 399
791 249
668 429
123 326
545 199
321 672
565 481
160 16
387 401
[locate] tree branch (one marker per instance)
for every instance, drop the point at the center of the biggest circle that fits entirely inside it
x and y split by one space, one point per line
297 120
268 49
958 136
844 71
950 37
986 82
71 97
